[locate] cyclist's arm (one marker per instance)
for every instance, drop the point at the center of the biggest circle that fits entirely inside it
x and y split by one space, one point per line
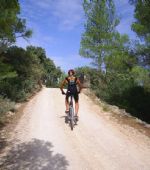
79 84
62 85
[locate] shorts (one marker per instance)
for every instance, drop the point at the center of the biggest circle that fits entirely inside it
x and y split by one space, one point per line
75 96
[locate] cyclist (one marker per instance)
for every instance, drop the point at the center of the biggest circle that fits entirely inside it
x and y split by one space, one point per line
74 88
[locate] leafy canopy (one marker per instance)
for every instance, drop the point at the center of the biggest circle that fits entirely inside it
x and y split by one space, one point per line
11 25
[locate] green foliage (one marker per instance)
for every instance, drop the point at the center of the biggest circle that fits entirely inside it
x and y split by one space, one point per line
142 27
53 77
6 71
138 101
125 90
50 73
83 70
143 54
141 76
11 26
5 106
97 40
22 71
30 66
123 81
142 24
13 89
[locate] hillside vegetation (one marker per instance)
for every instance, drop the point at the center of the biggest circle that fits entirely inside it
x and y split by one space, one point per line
22 71
121 67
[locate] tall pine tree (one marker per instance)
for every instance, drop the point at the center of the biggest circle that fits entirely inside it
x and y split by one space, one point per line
101 21
101 41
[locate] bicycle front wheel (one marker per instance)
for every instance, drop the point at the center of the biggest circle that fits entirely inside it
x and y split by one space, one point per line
71 118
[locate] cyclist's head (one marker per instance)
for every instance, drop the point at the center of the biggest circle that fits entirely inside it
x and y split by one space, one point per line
71 72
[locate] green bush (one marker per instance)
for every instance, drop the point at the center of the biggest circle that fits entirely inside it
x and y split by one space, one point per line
122 90
21 96
5 106
138 102
17 89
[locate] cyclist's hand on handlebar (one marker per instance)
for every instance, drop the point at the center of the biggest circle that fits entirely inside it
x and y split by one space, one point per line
63 92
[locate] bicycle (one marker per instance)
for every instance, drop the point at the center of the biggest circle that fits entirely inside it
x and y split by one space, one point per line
70 116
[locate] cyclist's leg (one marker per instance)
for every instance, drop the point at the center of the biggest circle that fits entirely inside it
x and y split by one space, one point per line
67 103
76 98
76 108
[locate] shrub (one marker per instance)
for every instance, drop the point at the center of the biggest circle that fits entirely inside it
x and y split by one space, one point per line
5 106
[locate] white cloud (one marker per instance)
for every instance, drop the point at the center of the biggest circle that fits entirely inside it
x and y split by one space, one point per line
67 13
43 3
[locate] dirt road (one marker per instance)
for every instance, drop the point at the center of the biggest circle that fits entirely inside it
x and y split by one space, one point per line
42 140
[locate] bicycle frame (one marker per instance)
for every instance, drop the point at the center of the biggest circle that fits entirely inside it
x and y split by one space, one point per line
71 101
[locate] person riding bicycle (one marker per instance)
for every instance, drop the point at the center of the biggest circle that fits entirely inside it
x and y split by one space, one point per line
73 84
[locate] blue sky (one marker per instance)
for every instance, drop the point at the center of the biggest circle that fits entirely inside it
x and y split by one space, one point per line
58 24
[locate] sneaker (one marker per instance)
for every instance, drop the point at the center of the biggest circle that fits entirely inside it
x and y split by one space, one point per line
67 111
76 118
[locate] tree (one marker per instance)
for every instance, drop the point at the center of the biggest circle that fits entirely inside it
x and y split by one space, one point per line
24 69
6 71
50 72
142 23
96 42
142 28
11 25
123 76
102 42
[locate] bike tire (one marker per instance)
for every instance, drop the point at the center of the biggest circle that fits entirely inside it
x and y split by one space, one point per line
66 119
71 118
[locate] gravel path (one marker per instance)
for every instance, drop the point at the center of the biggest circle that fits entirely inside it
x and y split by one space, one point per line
42 140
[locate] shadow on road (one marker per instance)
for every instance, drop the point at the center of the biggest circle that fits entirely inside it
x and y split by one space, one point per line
65 119
33 155
3 143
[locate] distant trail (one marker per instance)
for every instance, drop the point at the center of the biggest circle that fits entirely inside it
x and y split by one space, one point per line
42 140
